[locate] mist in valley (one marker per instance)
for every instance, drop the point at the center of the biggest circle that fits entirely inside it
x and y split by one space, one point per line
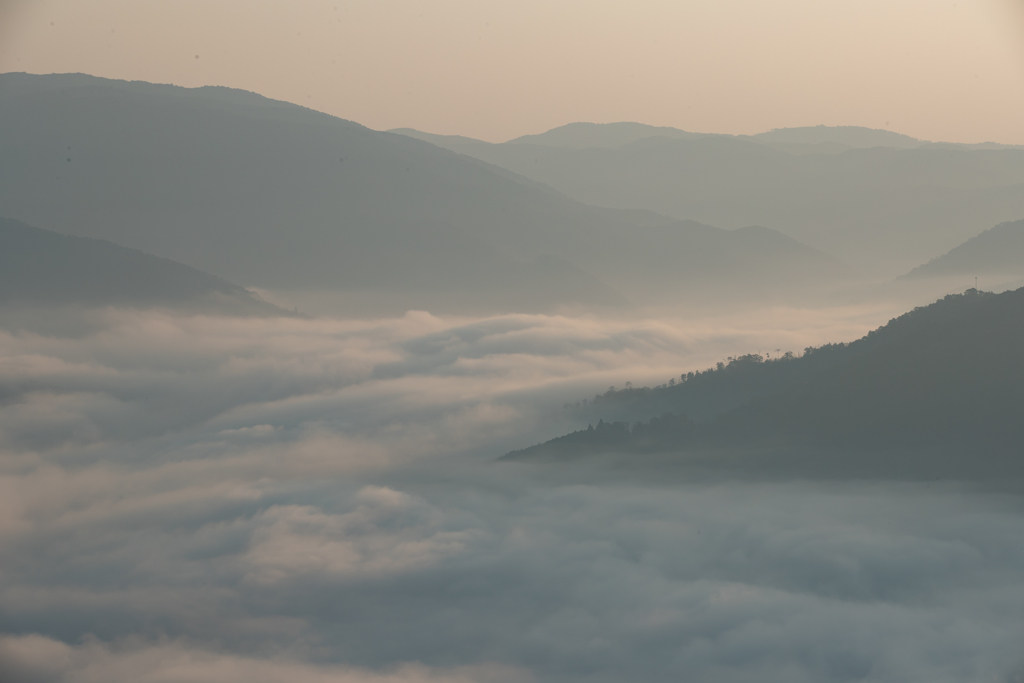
317 499
384 385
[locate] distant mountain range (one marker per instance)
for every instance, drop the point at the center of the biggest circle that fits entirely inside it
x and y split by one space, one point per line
998 251
802 140
44 268
273 195
938 391
882 201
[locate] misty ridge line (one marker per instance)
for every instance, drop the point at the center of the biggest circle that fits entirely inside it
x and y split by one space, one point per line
805 139
396 225
821 185
378 213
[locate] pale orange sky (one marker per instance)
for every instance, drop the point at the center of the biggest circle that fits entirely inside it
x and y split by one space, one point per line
935 69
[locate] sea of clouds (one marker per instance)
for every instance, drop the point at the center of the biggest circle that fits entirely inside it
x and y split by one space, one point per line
187 499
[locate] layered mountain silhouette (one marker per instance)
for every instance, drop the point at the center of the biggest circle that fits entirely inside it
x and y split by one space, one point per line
273 195
806 139
938 391
883 201
44 268
999 252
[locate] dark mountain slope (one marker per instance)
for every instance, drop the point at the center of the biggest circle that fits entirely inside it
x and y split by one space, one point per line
937 390
42 268
274 195
713 392
998 251
947 374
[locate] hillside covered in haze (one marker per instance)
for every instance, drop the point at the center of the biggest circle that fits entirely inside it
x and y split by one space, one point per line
997 252
40 268
881 201
276 196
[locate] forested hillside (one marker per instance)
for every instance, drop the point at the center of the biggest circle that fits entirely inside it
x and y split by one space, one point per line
941 386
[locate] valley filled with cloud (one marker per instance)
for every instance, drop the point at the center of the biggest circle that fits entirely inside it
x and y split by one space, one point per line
192 498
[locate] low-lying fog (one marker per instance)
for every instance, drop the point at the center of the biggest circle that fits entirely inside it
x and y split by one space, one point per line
228 499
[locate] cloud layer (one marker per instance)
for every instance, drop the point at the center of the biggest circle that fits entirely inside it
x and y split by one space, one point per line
213 499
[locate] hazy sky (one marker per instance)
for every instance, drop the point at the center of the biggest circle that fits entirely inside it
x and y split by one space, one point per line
936 69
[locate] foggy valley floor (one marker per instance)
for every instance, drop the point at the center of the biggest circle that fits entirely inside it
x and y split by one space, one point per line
204 497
